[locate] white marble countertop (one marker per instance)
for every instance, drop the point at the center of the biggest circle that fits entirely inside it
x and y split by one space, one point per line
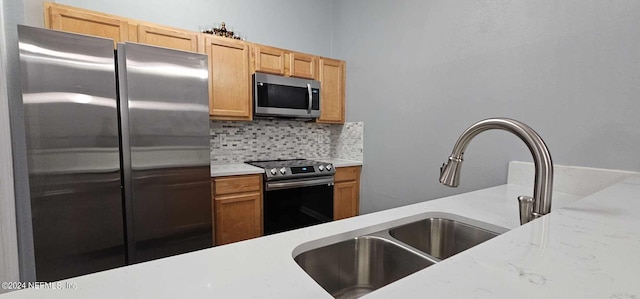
341 162
234 169
590 249
242 168
585 248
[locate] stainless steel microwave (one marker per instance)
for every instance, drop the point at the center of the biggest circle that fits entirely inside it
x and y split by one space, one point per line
279 96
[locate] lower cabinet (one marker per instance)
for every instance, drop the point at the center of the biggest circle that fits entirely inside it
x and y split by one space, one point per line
237 203
346 192
237 208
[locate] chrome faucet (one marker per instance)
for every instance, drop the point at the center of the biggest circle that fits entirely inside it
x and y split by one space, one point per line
530 207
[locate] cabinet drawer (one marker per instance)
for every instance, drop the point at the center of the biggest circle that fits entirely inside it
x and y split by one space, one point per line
237 184
347 173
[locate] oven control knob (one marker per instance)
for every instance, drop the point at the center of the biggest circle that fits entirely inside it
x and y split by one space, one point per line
273 171
321 167
328 167
283 170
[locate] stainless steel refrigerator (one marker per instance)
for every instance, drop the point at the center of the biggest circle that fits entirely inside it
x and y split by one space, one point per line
117 152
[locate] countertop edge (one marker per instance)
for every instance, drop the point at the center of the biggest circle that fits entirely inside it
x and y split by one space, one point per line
342 162
220 170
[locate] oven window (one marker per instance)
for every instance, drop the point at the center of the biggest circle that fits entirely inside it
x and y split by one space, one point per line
298 207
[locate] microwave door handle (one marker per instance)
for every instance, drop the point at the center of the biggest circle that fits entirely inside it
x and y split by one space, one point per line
310 98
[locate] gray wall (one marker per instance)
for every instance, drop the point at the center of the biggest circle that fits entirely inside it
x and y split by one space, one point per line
33 12
302 25
420 72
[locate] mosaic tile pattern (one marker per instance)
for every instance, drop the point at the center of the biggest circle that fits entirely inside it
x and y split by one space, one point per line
266 139
348 141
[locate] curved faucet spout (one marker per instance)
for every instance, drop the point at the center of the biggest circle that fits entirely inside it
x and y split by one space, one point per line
543 184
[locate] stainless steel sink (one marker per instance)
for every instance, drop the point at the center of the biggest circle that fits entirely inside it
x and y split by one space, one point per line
360 265
441 238
355 267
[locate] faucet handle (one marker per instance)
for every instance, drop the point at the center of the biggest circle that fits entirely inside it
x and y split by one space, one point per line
526 208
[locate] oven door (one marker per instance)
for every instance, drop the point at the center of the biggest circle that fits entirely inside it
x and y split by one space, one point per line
278 96
299 203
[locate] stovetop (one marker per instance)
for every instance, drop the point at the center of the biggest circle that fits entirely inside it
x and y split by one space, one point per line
293 168
284 163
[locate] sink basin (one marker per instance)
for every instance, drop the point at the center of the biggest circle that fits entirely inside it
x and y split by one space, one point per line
440 238
360 265
355 267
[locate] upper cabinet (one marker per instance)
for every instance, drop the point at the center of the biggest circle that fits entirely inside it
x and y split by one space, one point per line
76 20
229 78
302 65
330 72
332 84
272 60
231 62
167 37
268 59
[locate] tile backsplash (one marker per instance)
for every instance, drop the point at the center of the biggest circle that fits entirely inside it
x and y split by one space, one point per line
266 139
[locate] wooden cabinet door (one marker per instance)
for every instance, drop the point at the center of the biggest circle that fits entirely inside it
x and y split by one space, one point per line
168 38
76 20
268 59
229 79
302 65
345 200
346 192
237 217
332 84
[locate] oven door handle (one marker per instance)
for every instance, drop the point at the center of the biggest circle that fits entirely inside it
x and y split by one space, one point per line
270 186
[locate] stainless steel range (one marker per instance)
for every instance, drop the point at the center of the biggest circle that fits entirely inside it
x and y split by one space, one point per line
298 193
